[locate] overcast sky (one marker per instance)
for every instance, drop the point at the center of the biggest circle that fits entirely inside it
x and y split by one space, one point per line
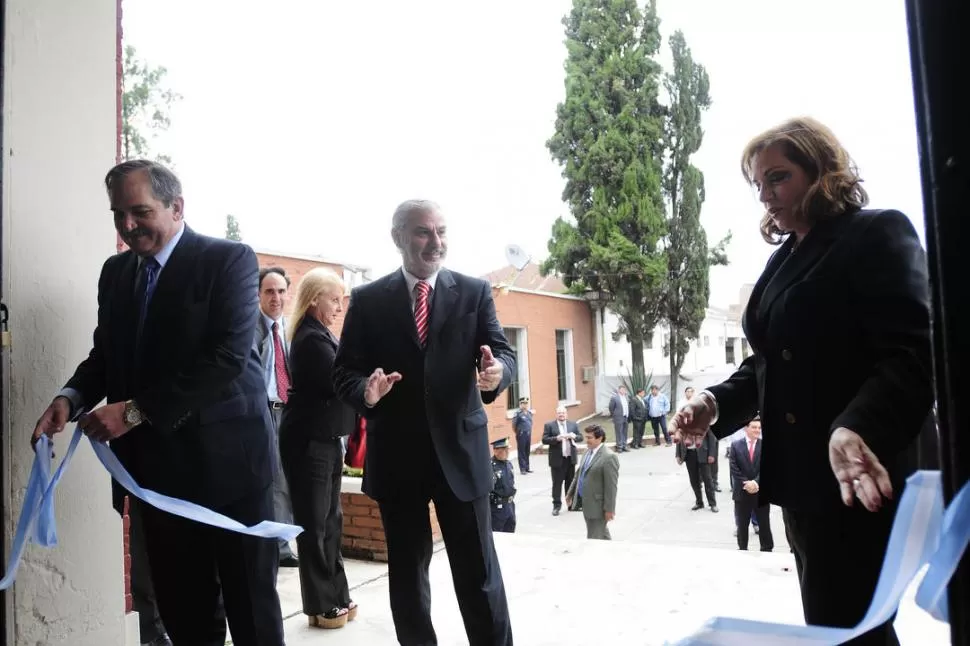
310 121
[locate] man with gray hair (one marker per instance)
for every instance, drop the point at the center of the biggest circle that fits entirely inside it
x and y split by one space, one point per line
186 408
561 436
420 352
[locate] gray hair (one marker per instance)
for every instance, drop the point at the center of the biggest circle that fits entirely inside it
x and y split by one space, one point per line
165 185
405 209
561 409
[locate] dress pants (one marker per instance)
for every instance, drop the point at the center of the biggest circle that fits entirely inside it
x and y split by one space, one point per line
204 575
700 472
659 425
314 470
638 427
620 433
523 444
562 479
282 506
838 555
746 509
467 532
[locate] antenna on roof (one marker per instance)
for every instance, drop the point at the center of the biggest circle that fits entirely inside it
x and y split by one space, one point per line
519 259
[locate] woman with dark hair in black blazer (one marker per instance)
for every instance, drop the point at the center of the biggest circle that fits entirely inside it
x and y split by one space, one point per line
312 425
841 371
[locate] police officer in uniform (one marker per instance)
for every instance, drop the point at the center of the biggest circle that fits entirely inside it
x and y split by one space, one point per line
503 488
522 423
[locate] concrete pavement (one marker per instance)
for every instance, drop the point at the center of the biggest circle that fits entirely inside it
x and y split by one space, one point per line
667 570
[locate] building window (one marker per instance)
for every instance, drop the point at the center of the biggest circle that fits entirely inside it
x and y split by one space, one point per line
565 371
707 341
520 380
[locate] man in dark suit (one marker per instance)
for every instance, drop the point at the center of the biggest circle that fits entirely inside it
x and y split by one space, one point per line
273 349
698 456
186 407
421 350
745 483
561 436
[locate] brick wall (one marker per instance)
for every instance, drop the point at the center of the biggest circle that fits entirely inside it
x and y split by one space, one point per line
540 315
363 532
295 268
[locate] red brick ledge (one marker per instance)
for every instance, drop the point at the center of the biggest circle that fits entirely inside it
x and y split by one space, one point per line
363 532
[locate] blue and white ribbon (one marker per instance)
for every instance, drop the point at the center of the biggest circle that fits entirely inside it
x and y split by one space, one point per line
921 534
37 514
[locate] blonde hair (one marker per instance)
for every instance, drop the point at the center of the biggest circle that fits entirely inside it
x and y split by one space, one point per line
835 183
315 281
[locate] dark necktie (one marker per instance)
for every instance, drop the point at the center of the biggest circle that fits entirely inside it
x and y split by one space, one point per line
582 472
282 376
146 288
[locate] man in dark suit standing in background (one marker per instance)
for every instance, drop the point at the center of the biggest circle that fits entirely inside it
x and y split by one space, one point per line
745 484
273 349
421 350
186 411
561 436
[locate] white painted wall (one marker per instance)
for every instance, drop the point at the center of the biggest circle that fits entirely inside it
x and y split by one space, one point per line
58 141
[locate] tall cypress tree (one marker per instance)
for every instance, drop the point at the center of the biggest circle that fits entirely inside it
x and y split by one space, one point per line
609 140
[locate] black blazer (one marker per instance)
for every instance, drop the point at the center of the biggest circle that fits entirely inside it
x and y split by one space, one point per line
438 393
707 448
743 468
549 434
840 329
197 378
312 410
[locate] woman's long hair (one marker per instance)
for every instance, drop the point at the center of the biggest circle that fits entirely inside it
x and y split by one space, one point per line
313 283
835 183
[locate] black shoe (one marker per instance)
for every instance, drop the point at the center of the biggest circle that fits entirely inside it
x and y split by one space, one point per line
697 505
289 561
555 511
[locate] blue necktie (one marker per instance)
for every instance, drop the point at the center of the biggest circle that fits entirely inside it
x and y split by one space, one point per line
582 472
146 287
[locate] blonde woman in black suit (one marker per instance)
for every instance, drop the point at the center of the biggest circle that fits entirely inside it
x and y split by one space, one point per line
313 423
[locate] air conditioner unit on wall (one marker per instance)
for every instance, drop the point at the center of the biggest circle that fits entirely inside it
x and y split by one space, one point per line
589 373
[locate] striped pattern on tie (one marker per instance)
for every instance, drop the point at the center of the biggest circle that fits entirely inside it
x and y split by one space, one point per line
421 290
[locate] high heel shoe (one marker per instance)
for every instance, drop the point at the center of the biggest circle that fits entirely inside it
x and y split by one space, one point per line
334 618
351 611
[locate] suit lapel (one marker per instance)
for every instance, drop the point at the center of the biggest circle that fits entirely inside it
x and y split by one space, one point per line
445 297
401 314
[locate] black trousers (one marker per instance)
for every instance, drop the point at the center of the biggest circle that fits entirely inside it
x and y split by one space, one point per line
743 510
698 472
314 469
638 426
562 479
523 444
142 589
197 568
467 531
839 555
659 425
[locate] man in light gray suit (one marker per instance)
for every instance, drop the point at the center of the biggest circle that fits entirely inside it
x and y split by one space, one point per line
594 488
620 412
273 349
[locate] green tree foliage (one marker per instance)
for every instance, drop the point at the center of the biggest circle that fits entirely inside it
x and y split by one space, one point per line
687 289
145 107
609 140
232 228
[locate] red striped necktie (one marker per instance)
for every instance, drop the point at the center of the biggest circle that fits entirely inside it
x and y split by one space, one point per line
421 289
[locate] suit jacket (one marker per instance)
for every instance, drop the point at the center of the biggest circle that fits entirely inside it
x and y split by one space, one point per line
312 410
196 376
707 448
638 409
840 329
438 394
549 434
263 342
616 409
599 484
743 468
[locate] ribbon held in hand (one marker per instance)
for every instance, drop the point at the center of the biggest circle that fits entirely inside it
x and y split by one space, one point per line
37 514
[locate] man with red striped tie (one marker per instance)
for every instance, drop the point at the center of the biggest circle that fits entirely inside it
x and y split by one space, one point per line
421 350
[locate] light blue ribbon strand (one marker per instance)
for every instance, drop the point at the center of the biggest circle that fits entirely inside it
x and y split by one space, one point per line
37 513
921 534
